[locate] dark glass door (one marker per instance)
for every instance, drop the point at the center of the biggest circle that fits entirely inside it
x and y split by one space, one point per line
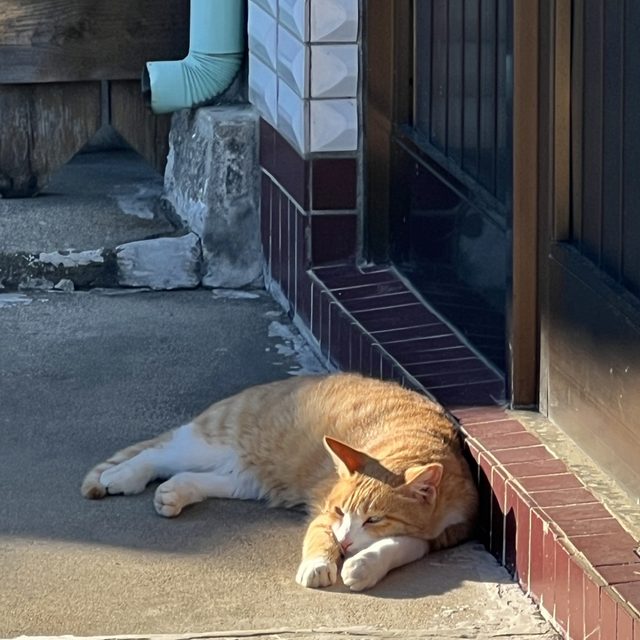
451 166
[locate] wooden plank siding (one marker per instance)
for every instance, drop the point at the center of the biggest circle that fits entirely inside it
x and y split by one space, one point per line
589 210
75 40
43 126
605 216
68 66
588 236
612 139
595 365
147 133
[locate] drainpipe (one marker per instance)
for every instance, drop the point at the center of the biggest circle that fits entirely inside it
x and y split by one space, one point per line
216 50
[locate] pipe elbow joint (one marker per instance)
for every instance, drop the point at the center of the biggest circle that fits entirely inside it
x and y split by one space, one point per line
171 85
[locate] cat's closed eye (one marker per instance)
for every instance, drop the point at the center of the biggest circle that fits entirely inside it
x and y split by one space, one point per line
339 511
373 519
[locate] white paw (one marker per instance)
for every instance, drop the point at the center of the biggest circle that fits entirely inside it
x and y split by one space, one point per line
167 501
317 572
362 571
124 478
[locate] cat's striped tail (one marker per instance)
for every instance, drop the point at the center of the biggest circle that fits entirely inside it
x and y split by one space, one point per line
92 488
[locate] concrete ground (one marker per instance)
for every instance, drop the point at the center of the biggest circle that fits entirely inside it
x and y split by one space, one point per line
97 200
83 374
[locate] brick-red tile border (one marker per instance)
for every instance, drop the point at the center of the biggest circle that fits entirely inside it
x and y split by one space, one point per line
575 559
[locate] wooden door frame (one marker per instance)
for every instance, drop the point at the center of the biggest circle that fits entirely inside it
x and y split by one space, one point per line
388 45
523 326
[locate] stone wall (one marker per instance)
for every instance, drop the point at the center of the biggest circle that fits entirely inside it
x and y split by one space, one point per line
211 185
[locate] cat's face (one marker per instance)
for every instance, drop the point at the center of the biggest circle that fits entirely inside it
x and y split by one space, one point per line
364 510
368 502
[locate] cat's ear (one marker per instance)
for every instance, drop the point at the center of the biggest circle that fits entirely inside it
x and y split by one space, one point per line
347 459
421 483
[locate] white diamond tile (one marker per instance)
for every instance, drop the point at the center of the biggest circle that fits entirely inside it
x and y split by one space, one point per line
270 6
334 20
334 70
263 89
333 125
293 117
294 14
293 62
263 34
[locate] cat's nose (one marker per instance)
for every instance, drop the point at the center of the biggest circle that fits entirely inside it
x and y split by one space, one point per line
345 544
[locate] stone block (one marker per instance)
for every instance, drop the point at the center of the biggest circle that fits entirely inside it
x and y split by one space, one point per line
160 263
211 182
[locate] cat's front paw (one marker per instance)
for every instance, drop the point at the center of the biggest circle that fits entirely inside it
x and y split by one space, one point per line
317 572
362 571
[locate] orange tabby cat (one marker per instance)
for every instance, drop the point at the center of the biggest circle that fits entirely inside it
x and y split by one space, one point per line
393 486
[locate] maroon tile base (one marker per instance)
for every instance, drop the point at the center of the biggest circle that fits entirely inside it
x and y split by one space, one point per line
571 554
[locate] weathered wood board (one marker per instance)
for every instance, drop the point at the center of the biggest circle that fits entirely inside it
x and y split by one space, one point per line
53 55
147 133
78 40
43 127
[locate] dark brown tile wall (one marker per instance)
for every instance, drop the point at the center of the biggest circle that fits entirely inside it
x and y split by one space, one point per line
325 189
333 238
561 544
325 184
334 184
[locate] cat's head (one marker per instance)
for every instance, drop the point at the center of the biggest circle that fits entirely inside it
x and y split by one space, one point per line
370 502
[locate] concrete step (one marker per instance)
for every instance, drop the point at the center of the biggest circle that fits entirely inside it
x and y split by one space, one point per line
100 222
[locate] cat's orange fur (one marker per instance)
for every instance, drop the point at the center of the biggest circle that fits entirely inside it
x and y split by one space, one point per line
379 468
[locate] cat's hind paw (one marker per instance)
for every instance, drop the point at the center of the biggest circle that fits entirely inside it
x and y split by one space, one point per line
167 500
317 572
126 478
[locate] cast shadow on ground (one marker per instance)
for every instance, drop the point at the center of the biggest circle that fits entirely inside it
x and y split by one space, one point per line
229 528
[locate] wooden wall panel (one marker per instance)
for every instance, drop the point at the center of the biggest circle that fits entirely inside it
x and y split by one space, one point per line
43 126
606 138
77 40
594 372
147 133
612 102
589 204
593 120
